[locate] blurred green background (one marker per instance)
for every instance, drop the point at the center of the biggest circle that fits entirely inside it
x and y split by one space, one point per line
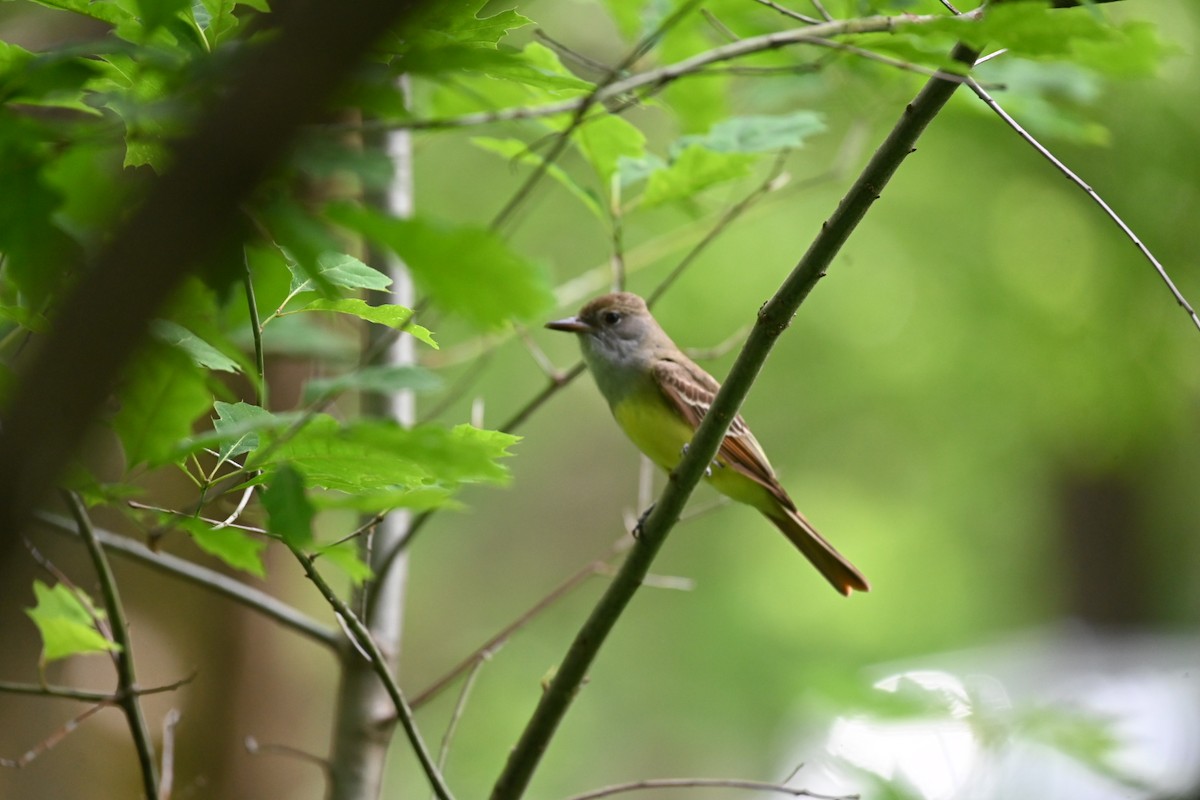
989 405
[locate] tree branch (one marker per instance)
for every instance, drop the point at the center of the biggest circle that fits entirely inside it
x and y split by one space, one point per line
205 578
127 688
773 319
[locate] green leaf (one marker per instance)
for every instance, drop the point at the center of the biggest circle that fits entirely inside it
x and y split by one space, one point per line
201 352
635 170
470 271
695 170
516 150
289 514
344 556
235 547
341 269
162 396
606 140
382 380
1034 30
371 502
237 426
396 317
758 134
66 621
380 456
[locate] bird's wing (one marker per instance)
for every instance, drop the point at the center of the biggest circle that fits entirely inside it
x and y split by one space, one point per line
691 391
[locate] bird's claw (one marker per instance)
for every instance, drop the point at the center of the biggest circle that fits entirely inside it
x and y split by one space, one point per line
641 521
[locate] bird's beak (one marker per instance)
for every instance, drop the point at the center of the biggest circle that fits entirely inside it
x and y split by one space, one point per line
570 325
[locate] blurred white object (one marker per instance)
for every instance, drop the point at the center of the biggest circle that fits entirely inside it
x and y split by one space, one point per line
1063 713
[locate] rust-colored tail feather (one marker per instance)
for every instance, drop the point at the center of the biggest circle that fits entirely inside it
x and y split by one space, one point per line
829 562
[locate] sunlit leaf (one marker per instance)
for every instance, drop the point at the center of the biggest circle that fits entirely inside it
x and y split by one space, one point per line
517 150
65 620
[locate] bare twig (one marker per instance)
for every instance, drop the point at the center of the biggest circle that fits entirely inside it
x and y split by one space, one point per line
982 94
255 747
167 785
82 695
460 706
53 739
787 12
127 688
365 641
497 641
706 783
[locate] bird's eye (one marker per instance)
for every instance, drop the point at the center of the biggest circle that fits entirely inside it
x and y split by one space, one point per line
612 317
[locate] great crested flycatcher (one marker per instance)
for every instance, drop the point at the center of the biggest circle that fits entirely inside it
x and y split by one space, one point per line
658 397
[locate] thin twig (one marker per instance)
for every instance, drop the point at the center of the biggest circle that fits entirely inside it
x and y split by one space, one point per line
820 7
53 739
787 12
82 695
982 94
255 747
497 641
460 706
706 783
661 76
127 688
167 785
367 643
213 581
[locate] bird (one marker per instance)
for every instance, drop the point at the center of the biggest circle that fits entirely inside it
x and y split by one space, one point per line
658 397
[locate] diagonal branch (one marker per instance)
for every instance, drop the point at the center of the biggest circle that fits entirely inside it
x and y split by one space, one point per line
773 319
127 688
983 95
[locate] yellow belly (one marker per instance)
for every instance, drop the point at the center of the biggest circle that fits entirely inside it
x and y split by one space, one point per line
661 433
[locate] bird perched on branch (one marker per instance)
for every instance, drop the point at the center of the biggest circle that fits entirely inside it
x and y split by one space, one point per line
659 396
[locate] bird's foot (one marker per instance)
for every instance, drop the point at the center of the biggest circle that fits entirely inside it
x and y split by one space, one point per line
641 522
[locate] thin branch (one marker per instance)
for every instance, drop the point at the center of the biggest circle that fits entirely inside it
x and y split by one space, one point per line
82 695
127 697
497 641
773 319
460 706
53 739
256 748
213 581
167 785
659 77
787 12
706 783
982 94
379 663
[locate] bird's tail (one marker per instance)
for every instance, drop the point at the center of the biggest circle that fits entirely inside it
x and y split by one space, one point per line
829 562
